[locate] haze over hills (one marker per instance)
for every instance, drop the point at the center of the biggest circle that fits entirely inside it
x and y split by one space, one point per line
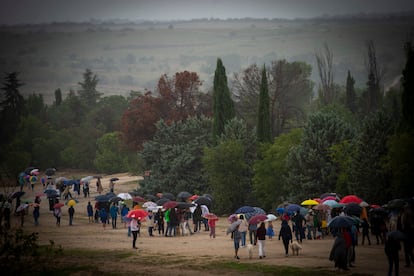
132 55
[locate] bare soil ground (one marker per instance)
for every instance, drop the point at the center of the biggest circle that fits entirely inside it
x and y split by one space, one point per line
197 248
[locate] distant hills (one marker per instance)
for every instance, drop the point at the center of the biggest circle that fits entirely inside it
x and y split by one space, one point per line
130 55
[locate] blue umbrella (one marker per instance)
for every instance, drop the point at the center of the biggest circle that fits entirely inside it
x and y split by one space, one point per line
280 210
244 210
291 208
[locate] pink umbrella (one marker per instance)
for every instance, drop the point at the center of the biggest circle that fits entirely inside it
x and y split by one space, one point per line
329 198
257 219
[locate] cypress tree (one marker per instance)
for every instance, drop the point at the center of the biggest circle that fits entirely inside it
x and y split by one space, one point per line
263 118
223 106
350 93
408 86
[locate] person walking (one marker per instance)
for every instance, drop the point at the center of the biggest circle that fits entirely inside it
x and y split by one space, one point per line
269 231
298 221
89 210
134 224
114 210
57 212
261 238
243 227
286 234
159 218
71 212
236 241
253 233
104 217
212 227
150 223
365 231
392 248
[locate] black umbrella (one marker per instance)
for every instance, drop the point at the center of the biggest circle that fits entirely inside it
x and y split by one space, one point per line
397 203
161 201
183 196
396 235
151 198
202 200
170 196
380 212
50 171
135 193
353 209
18 194
110 195
209 196
115 199
102 198
28 170
341 222
51 193
114 179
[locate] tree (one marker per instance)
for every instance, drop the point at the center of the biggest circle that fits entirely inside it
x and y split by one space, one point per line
351 99
223 106
11 106
111 156
290 91
324 61
174 155
408 86
88 93
311 169
180 93
58 97
373 96
270 172
263 119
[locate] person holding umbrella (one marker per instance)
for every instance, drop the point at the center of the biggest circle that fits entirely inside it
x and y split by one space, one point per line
135 225
71 212
261 237
57 212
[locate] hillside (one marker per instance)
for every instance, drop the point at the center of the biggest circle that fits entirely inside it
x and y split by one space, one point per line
132 56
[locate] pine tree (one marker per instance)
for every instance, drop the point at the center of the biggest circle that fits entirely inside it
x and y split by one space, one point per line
350 93
88 93
263 118
223 106
408 86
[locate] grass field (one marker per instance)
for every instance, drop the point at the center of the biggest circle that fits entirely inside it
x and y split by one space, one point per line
133 56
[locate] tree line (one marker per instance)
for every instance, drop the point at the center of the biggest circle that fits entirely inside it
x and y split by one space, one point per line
259 139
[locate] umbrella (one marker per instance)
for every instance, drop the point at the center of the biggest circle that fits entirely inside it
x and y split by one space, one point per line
271 217
397 203
232 218
137 213
309 202
244 209
59 180
202 200
396 235
170 204
321 207
113 179
350 199
22 207
18 194
153 208
257 219
193 197
183 195
138 199
58 205
353 209
183 205
337 197
34 172
151 198
364 204
124 196
341 221
331 203
280 210
51 193
161 201
291 208
209 196
87 178
170 196
233 226
257 211
149 204
50 171
102 198
204 209
329 198
71 202
210 216
115 199
28 170
380 212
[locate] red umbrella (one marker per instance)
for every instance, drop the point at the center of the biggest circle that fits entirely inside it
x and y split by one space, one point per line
58 205
138 199
170 204
193 197
210 216
329 198
137 213
257 219
350 199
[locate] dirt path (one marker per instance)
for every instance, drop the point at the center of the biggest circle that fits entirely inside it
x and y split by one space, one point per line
369 259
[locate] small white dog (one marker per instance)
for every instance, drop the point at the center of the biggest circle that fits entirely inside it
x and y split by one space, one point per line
250 250
295 247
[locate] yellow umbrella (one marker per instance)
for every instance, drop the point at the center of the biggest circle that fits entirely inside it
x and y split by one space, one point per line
71 202
309 202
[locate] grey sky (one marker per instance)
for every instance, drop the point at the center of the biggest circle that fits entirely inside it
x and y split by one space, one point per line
39 11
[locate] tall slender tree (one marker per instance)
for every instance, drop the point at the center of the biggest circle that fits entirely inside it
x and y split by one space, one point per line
408 86
350 93
88 93
223 106
373 94
264 134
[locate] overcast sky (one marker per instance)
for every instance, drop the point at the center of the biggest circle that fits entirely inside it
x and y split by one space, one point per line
40 11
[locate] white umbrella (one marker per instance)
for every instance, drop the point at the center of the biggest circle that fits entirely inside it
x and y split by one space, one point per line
271 217
22 207
125 196
149 204
87 178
